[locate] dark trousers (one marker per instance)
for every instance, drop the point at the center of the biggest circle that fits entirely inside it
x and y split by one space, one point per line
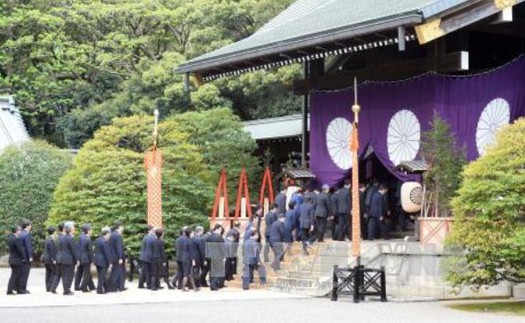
334 227
51 274
321 228
157 269
205 269
266 251
102 279
247 275
145 275
116 277
56 279
197 274
217 274
14 279
87 279
373 228
231 267
344 225
24 276
67 273
278 253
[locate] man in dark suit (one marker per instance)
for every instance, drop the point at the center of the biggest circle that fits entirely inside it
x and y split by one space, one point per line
146 254
207 260
334 202
378 212
216 252
184 259
232 247
27 243
58 276
250 260
198 253
306 221
344 205
67 257
16 259
158 258
277 238
280 201
321 213
83 278
102 259
270 218
50 258
118 270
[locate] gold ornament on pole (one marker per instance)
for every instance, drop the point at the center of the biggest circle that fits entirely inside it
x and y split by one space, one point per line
354 148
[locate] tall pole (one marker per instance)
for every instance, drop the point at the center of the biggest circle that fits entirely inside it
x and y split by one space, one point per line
354 147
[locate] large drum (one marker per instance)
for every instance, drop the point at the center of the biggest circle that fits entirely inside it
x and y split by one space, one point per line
411 197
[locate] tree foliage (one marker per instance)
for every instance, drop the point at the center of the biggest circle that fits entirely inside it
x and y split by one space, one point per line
489 213
30 174
108 180
445 162
66 61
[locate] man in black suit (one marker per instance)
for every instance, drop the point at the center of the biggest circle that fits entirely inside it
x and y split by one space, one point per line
58 276
206 266
83 278
103 259
344 205
250 260
306 221
378 212
232 240
280 201
50 258
198 253
270 218
27 243
321 213
146 254
184 259
67 257
277 238
16 259
118 270
216 252
158 258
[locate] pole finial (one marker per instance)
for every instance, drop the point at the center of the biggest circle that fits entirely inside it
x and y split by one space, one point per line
156 129
356 108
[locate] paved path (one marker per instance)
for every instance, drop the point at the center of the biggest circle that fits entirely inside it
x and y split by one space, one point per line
229 305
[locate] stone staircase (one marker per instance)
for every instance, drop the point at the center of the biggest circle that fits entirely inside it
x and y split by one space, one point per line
312 274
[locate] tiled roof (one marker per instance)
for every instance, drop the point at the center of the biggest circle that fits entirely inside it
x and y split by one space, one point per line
313 22
12 128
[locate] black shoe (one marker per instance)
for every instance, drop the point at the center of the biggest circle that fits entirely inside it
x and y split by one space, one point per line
123 289
160 287
24 292
141 286
101 292
10 293
53 291
68 293
78 289
86 291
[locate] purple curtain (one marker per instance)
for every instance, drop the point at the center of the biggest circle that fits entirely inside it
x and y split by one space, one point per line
395 113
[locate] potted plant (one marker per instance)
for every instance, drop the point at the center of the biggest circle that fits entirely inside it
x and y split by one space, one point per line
445 161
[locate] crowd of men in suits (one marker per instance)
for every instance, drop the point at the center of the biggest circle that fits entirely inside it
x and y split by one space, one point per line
62 253
303 219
